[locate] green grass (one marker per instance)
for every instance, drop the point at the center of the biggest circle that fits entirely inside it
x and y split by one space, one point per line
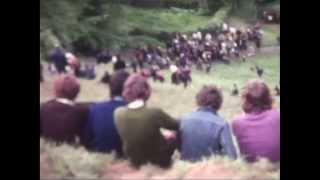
59 162
161 19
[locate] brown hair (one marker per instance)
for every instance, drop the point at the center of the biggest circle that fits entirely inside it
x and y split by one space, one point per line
210 96
256 97
136 87
117 81
66 86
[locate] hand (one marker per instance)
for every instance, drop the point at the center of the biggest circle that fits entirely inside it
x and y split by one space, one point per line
168 135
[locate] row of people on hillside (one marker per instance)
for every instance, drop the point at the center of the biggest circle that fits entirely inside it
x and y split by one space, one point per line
66 62
201 48
126 125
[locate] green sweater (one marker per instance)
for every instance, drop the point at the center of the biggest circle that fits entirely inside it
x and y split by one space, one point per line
139 130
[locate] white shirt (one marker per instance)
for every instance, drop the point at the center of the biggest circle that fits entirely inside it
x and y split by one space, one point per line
136 104
173 68
114 59
65 101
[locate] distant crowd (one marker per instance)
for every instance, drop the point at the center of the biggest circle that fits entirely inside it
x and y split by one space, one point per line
182 52
126 125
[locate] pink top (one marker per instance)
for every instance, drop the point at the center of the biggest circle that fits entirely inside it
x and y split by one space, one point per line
258 135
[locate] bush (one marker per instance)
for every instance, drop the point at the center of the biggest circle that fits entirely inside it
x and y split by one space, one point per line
47 41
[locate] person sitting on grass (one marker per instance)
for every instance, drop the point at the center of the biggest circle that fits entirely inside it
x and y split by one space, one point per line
204 133
258 129
101 132
139 126
61 119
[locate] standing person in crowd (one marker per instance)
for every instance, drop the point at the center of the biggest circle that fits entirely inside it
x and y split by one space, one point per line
73 63
258 129
58 58
118 63
101 132
139 126
203 132
61 119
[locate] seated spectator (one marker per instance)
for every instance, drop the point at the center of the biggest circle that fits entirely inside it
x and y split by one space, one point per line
258 129
101 131
61 119
204 133
139 126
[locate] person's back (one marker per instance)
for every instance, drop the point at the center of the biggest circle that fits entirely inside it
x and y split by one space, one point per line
101 120
258 135
258 129
140 131
201 133
204 133
62 122
101 132
139 127
61 119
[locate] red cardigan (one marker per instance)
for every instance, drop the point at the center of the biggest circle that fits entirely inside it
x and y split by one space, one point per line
63 122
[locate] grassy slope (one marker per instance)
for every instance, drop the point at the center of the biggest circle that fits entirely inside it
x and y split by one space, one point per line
57 162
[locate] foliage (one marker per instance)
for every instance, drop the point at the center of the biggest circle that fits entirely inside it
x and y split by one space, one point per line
88 25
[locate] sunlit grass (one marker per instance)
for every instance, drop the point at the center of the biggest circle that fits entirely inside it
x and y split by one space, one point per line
64 161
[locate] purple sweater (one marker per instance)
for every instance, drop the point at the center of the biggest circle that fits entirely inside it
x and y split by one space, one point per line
258 135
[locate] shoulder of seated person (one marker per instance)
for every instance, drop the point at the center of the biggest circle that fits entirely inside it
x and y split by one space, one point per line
155 110
49 103
119 110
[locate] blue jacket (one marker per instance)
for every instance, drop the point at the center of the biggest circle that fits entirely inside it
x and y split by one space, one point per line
102 135
204 133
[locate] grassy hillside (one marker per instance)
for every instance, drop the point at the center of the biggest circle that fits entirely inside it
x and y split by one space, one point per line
58 162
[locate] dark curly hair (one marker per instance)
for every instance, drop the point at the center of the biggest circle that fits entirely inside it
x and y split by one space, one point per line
116 82
210 96
256 97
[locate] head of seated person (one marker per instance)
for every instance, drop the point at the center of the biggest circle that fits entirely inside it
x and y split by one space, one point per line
67 87
209 96
116 83
256 97
136 88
